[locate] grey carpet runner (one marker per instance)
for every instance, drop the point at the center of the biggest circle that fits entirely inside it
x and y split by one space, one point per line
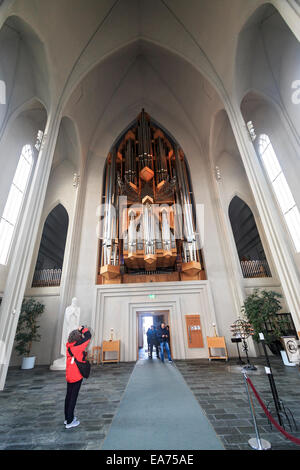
159 411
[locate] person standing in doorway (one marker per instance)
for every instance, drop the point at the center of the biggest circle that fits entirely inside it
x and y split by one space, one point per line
77 342
168 328
152 341
163 335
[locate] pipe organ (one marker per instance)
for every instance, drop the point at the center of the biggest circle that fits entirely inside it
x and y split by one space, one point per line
148 227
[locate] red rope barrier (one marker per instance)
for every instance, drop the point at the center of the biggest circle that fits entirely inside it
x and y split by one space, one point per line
270 417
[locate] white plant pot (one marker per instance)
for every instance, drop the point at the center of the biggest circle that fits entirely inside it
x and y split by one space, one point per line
286 362
28 362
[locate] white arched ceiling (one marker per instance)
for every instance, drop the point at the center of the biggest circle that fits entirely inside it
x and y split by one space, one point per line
32 54
142 75
67 146
78 34
222 138
250 53
23 67
9 42
225 156
268 119
22 130
268 62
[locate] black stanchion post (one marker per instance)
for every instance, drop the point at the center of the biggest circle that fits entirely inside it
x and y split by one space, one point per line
256 443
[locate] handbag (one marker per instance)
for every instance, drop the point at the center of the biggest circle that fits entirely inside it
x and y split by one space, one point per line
83 367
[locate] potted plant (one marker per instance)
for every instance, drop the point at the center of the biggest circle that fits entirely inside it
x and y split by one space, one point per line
27 330
261 309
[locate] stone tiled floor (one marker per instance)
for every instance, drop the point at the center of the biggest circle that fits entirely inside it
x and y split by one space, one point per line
220 390
32 408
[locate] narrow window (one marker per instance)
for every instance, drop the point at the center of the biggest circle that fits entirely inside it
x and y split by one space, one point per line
248 243
48 269
281 188
14 202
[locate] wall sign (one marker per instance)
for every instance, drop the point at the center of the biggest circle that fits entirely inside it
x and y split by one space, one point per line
291 345
194 331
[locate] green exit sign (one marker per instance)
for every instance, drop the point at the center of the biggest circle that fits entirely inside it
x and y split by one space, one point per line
151 296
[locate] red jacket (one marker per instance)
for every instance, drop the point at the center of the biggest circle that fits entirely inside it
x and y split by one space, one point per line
78 350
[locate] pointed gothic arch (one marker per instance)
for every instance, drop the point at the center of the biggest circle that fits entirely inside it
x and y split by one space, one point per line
50 258
247 239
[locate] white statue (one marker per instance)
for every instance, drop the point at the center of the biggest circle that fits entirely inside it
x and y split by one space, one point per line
71 322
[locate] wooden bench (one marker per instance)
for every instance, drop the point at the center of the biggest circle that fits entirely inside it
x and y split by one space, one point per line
216 342
111 346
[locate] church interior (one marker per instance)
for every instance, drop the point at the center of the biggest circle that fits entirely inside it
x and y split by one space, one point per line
149 170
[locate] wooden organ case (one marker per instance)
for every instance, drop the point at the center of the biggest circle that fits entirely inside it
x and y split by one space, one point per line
147 223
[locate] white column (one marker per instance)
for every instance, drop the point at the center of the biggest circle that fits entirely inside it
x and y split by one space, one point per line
283 259
70 262
229 251
22 255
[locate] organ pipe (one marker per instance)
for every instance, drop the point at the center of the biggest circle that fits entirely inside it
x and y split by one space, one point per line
130 161
188 227
148 221
144 138
161 161
131 233
109 232
165 231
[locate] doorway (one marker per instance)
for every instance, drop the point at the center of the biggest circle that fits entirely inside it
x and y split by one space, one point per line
144 321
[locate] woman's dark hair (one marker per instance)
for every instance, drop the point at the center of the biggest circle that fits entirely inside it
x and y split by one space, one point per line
74 336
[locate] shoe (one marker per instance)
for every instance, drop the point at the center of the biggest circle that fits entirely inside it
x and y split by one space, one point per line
74 423
170 360
65 421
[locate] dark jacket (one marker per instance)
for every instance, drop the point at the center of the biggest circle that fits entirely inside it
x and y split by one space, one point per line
163 334
151 336
78 350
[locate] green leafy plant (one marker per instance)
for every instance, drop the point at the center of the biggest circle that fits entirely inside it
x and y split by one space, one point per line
261 309
27 330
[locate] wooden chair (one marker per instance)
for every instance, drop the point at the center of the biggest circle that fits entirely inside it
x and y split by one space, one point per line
95 355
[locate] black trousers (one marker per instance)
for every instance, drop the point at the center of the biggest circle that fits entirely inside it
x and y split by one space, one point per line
71 399
151 349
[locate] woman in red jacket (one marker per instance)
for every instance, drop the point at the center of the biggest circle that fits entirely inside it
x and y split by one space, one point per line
77 342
